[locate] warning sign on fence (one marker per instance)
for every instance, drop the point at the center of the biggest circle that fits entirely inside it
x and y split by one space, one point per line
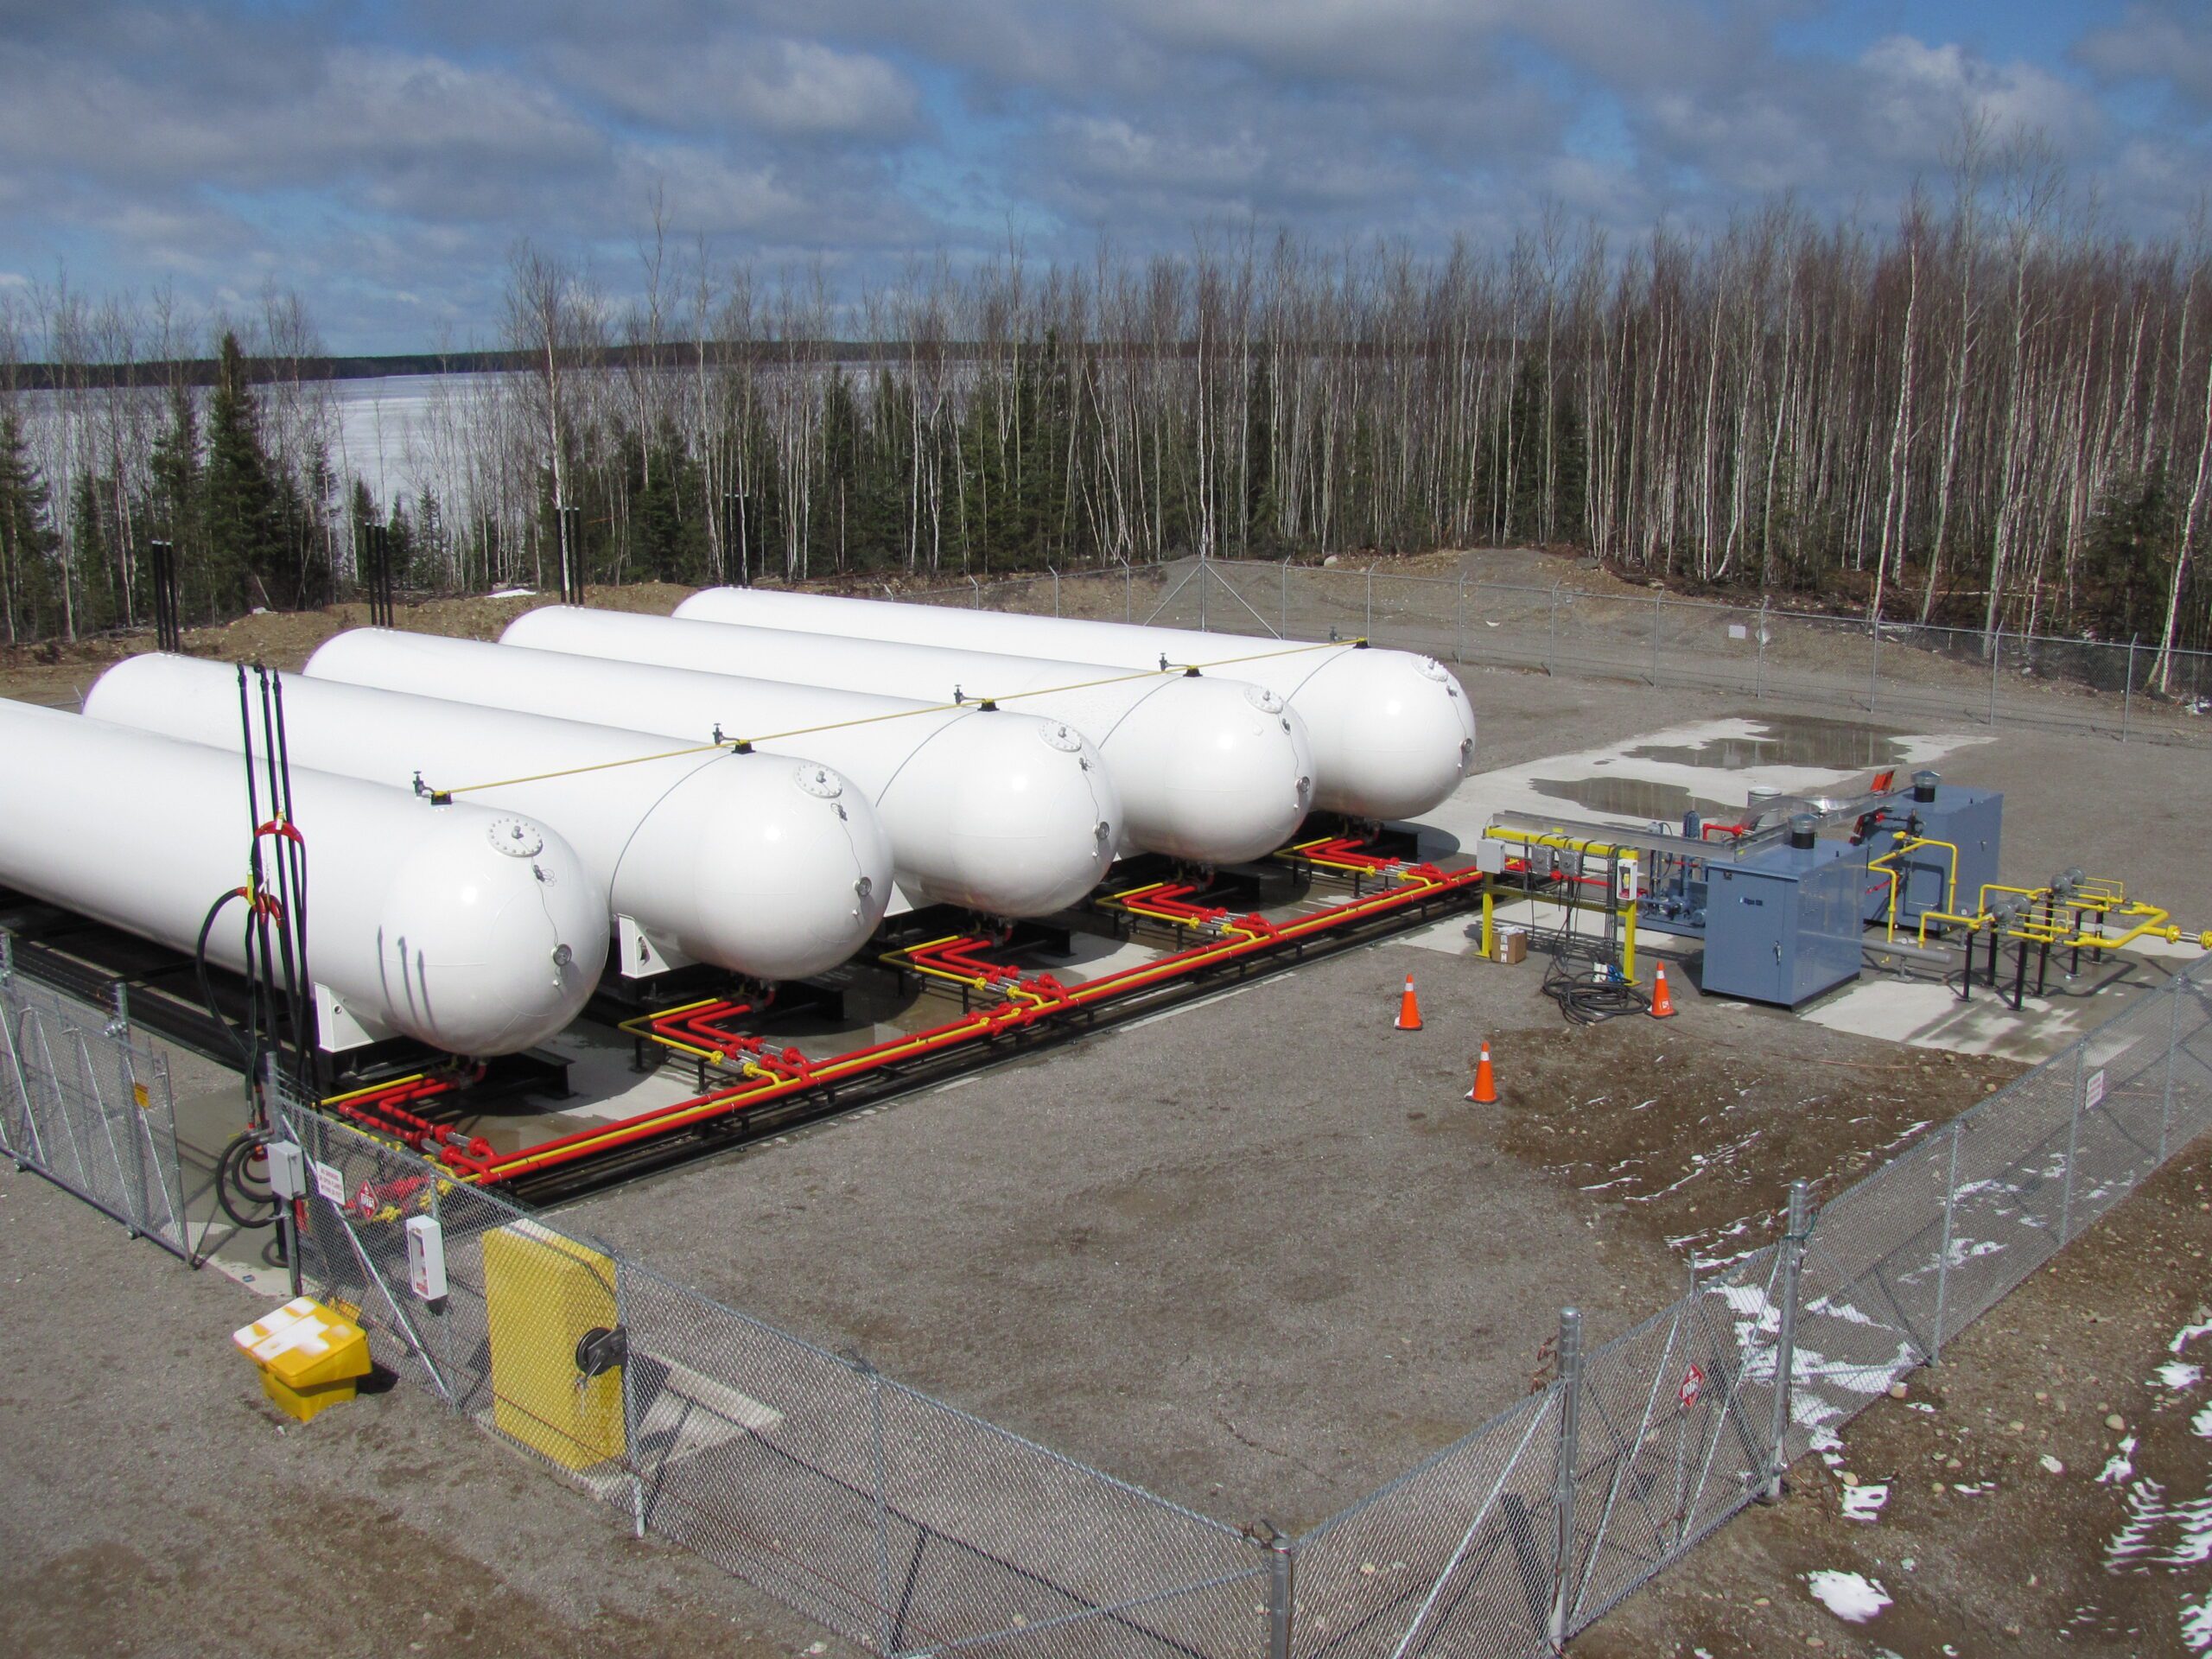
1693 1385
2093 1091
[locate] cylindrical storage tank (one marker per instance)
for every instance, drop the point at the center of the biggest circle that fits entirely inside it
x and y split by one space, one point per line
476 931
1213 771
997 811
764 865
1393 732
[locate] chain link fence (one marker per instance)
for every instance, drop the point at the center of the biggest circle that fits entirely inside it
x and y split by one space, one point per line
904 1524
88 1106
1901 671
912 1528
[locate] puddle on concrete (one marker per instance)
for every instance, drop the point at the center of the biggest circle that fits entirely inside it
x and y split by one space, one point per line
1788 740
1807 741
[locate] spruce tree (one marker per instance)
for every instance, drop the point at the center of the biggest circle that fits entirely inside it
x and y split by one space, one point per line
244 507
29 573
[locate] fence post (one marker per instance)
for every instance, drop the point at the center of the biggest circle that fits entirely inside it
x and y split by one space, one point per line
120 1025
882 1507
1758 673
1551 648
1874 665
1570 1429
1055 592
2073 1145
1657 599
978 587
2127 696
1460 624
1129 591
7 958
1943 1262
1785 1346
1996 652
630 1422
1205 574
1283 628
1280 1566
1369 631
2173 1048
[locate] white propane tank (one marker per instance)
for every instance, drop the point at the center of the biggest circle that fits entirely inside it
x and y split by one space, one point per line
1392 733
763 865
477 931
1213 771
999 812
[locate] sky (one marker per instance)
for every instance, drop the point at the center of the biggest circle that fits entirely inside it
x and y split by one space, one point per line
385 158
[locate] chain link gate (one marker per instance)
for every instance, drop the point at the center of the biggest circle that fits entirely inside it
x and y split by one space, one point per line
89 1107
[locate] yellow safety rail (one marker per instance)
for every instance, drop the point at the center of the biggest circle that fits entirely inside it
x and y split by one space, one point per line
1572 844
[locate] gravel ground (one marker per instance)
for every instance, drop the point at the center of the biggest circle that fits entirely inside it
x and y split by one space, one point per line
1256 1254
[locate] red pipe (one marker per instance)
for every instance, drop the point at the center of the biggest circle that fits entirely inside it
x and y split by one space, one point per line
1030 1000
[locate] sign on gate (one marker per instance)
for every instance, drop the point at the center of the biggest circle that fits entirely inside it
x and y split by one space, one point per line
2093 1091
1693 1385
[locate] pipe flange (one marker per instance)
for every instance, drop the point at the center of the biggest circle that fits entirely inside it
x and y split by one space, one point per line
1263 700
1063 737
516 838
1430 668
819 782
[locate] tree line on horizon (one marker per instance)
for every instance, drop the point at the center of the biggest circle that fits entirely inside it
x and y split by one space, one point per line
1993 414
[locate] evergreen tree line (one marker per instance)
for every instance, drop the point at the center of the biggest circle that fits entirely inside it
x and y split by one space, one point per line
1989 413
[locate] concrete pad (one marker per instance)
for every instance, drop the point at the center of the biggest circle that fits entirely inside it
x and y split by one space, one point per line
1628 768
1926 1014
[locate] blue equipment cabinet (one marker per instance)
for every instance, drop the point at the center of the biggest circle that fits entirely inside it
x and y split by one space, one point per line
1784 924
1970 819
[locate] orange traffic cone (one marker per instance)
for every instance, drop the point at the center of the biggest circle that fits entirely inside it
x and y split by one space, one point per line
1485 1093
1663 1006
1408 1009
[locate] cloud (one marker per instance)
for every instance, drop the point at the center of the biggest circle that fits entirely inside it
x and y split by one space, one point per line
788 88
385 154
2156 41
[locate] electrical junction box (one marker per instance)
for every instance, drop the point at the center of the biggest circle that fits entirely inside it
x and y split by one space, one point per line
1784 924
426 1258
1627 881
288 1169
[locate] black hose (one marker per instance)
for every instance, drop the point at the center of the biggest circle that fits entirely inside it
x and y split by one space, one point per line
1585 993
235 1175
206 987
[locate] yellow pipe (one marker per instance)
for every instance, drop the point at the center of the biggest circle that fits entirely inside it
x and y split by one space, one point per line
1972 924
1490 923
373 1089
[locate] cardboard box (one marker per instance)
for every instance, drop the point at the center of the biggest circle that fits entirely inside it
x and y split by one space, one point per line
1511 944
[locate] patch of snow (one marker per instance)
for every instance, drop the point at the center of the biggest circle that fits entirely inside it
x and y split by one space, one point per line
2202 1423
2146 1508
2187 1334
2196 1624
512 593
2178 1373
2118 1467
1850 1597
1864 1503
